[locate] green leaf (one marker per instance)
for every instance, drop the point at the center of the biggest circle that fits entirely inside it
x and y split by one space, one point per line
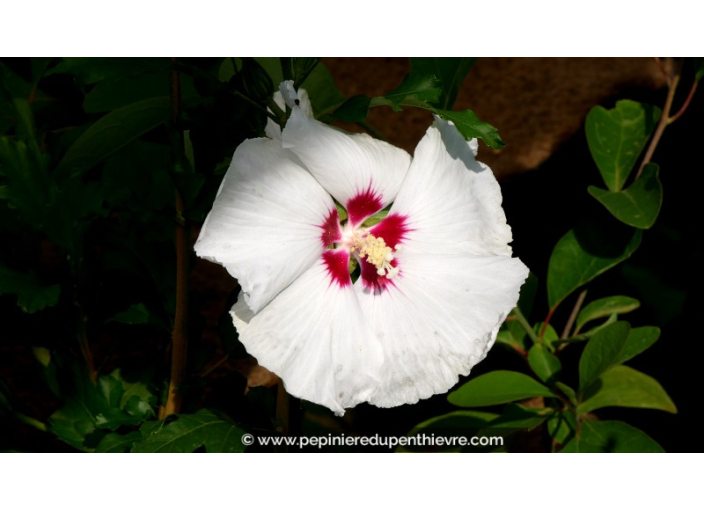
550 336
512 333
561 426
256 82
593 331
545 365
191 431
470 126
415 90
12 87
568 392
516 416
29 188
135 314
639 204
88 407
68 215
602 352
228 68
497 387
88 70
605 307
583 254
622 386
616 138
324 94
611 437
450 424
298 68
451 71
613 345
32 294
117 443
25 127
113 131
456 420
639 339
698 68
355 109
124 90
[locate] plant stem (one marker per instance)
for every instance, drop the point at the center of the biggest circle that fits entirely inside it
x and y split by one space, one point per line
278 112
30 421
258 106
283 405
523 322
546 322
179 335
81 325
665 119
685 105
573 315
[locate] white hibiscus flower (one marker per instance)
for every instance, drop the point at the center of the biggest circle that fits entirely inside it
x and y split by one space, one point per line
437 278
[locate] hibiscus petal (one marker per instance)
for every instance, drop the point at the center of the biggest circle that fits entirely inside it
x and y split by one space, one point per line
314 337
437 319
272 129
362 173
270 222
451 201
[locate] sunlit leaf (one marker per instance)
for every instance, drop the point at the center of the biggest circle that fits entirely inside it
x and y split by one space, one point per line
416 89
622 386
639 204
616 138
605 307
451 71
470 126
497 387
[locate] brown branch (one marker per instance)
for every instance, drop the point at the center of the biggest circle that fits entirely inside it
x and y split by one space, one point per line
573 315
84 344
664 119
283 405
179 335
546 323
685 105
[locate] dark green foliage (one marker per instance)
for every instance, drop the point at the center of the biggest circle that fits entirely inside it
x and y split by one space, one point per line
189 432
611 437
451 71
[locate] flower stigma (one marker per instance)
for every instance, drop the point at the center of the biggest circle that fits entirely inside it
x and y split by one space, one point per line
364 245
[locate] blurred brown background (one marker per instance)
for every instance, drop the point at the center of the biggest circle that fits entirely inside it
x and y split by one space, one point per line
537 103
